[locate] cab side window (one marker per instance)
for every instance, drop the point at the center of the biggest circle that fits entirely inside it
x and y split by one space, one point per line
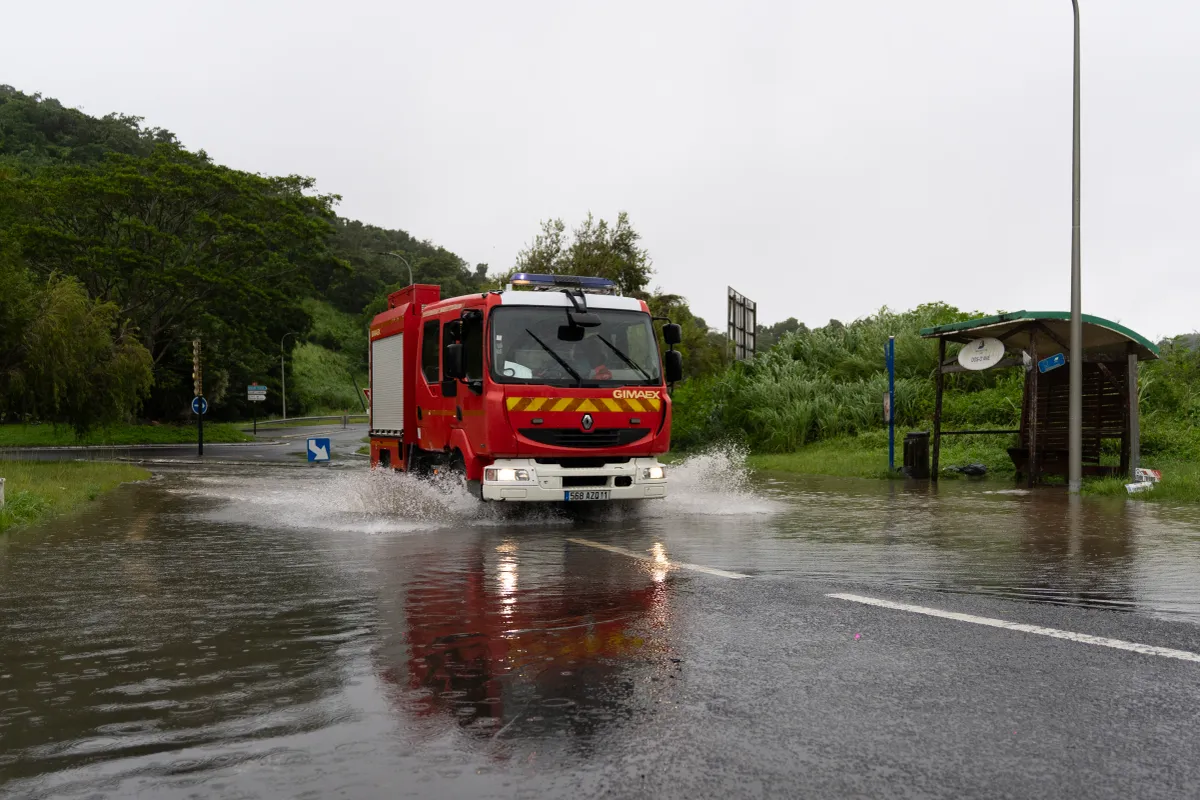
429 351
472 340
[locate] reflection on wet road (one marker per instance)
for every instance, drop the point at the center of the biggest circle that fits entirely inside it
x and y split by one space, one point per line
250 632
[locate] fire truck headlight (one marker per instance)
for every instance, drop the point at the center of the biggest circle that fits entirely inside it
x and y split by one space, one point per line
506 474
652 474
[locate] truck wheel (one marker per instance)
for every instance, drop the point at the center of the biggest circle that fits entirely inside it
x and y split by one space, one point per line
456 469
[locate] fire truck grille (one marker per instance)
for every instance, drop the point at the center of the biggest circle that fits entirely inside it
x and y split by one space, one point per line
584 462
573 437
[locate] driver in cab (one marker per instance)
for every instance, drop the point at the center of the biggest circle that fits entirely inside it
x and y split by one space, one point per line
592 354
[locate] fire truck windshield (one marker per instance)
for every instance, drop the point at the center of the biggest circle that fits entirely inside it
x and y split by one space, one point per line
537 344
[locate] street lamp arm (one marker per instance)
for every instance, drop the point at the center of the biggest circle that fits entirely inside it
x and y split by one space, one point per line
402 258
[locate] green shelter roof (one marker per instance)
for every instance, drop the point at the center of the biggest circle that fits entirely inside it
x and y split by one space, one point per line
1100 336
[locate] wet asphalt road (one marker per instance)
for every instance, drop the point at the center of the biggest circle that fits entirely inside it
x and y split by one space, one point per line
267 632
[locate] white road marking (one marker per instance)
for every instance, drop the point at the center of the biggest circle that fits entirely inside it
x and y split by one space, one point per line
1085 638
649 560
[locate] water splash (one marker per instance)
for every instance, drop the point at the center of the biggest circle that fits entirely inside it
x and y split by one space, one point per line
361 500
712 483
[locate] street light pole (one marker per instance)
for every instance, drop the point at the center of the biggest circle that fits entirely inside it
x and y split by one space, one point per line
1075 401
402 258
283 369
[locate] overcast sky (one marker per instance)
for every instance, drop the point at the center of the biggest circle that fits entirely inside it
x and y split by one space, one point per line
824 158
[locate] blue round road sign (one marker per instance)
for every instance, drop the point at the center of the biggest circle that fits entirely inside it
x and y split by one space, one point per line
199 405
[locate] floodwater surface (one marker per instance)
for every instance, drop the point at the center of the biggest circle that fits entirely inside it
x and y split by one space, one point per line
285 632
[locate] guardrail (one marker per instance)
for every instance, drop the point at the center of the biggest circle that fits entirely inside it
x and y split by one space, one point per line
343 418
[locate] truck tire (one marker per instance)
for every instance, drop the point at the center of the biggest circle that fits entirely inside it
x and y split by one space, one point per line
456 470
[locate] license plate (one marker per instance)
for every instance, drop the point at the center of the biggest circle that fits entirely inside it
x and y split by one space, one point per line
586 494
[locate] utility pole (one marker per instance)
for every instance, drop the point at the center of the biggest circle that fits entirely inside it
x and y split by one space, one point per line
198 391
1075 363
891 402
283 370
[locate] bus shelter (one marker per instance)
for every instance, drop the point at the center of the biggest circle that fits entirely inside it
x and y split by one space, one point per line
1038 342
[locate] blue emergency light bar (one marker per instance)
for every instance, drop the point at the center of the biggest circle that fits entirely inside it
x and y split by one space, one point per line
547 283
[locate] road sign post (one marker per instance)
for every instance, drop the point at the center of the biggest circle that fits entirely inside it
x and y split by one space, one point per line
256 394
198 408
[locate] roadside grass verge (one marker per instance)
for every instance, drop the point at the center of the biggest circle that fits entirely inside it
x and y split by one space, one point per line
63 436
1180 483
279 424
865 456
36 490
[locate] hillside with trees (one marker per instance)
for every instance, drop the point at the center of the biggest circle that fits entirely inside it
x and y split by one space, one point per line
119 246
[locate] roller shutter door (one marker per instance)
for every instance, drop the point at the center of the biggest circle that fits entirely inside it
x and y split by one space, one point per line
387 383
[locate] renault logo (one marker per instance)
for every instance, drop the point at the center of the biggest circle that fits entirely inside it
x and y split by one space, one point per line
587 422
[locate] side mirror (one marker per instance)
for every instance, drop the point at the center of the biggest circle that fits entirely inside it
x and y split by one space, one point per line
672 334
673 365
453 368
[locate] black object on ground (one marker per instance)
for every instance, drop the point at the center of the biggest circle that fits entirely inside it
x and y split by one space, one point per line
916 454
970 470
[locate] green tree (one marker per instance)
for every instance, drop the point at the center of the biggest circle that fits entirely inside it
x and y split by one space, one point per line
373 273
596 248
705 351
181 247
612 251
769 335
36 130
16 309
77 364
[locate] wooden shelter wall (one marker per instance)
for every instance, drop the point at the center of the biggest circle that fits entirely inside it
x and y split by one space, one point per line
1105 397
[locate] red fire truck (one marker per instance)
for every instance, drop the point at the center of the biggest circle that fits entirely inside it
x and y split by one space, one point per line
551 390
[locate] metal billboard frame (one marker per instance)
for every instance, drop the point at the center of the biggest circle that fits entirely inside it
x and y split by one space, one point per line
743 324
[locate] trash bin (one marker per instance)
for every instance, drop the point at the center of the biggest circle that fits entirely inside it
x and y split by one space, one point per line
916 454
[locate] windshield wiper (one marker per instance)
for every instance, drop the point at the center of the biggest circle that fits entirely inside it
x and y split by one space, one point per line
629 361
578 378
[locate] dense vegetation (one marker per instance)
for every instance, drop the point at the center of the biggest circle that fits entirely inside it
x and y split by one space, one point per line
826 386
118 247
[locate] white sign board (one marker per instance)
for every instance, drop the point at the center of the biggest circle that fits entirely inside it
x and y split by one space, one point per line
981 354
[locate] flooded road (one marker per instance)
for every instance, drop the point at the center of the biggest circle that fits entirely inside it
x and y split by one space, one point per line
237 631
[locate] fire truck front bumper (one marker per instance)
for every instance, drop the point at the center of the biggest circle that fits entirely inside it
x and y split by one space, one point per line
526 480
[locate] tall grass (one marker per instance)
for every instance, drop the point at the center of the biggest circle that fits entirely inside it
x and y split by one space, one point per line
323 381
1181 483
37 489
829 382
